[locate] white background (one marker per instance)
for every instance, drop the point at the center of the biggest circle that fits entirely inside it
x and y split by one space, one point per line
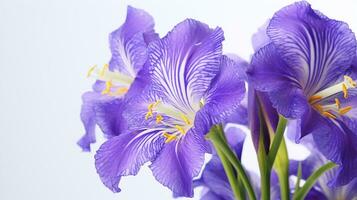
46 48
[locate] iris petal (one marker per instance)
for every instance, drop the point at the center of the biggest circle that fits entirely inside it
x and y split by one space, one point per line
128 43
215 179
109 117
318 49
124 154
354 68
179 162
226 91
88 117
321 189
269 72
260 38
184 63
212 196
338 143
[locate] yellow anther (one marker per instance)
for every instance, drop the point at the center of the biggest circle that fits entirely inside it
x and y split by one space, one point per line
318 107
159 118
90 71
338 103
150 109
122 90
151 106
185 119
108 87
350 81
104 69
180 129
345 91
328 114
148 115
345 110
314 99
169 137
156 103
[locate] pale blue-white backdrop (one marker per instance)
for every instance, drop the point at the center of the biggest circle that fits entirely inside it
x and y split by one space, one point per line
46 47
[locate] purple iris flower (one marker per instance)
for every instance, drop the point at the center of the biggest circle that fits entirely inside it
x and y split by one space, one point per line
321 189
307 71
214 180
104 104
192 87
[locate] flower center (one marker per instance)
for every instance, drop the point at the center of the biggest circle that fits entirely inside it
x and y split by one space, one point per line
176 122
116 83
333 110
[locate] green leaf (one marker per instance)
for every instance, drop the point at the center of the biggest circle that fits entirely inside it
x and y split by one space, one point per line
301 194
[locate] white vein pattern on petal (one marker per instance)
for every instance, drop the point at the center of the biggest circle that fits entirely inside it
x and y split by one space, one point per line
172 73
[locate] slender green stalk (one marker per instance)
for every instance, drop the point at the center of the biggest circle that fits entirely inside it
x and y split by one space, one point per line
297 185
278 158
301 194
222 146
233 180
278 137
265 184
237 187
281 166
263 167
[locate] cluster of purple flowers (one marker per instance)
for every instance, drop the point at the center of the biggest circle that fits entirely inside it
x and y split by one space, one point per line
158 98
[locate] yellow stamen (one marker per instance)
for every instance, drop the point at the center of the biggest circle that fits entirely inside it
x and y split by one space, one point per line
328 114
338 103
156 103
318 107
345 91
180 129
345 110
104 69
159 118
90 71
314 99
122 90
108 87
185 119
148 115
150 109
169 137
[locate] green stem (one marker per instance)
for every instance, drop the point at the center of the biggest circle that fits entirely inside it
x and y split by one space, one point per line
282 168
278 137
301 194
233 181
297 185
265 182
263 167
222 146
278 153
237 187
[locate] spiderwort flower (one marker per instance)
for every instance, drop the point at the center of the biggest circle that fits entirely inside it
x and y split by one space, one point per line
103 106
192 87
306 71
321 189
